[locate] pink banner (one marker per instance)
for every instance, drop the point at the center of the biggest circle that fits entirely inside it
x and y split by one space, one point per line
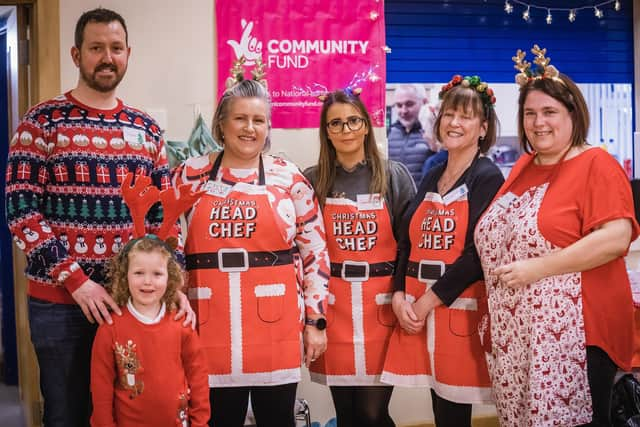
309 47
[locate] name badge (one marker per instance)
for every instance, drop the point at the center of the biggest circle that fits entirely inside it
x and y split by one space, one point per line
133 135
369 202
218 189
505 201
456 194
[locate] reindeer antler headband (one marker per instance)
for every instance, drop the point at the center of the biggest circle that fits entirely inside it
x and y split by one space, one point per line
237 73
543 70
142 195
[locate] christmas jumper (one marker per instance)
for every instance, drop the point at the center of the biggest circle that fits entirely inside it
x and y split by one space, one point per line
148 373
64 205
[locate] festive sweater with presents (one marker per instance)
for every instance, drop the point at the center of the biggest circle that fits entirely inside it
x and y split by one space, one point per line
64 205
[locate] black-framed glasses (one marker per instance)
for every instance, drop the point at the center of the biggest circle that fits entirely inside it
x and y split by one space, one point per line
354 123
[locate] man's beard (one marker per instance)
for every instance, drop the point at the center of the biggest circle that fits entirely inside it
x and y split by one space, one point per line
102 85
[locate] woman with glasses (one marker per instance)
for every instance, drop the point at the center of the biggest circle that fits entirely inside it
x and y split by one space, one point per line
440 294
362 198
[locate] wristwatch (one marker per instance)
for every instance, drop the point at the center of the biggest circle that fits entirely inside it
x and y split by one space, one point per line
320 323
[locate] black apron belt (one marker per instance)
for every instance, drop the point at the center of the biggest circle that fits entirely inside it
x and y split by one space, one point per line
238 259
426 270
359 271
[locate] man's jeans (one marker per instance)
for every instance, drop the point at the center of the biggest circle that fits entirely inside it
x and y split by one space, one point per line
62 338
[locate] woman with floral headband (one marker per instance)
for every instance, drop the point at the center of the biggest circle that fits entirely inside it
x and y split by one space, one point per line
552 247
257 264
439 293
363 198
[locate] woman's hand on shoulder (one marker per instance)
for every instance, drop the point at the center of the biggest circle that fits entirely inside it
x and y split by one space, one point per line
184 309
403 309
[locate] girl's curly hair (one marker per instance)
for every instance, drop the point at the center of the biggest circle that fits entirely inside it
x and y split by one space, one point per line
119 267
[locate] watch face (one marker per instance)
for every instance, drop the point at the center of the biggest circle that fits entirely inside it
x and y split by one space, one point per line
321 323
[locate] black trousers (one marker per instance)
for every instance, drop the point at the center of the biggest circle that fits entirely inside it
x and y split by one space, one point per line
362 406
273 406
601 372
450 414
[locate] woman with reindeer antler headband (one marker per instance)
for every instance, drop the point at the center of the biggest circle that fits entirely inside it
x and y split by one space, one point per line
257 262
552 245
439 293
363 198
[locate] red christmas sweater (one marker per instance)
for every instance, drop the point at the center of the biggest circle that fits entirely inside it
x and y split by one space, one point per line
64 205
151 375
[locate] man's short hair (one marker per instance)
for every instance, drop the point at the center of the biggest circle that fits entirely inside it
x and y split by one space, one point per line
417 89
100 15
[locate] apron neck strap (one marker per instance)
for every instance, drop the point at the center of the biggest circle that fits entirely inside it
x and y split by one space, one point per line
216 167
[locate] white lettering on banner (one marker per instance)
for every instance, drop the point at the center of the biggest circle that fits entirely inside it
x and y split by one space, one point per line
324 47
293 53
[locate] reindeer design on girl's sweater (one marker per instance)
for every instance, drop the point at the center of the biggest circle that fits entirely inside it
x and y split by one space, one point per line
128 366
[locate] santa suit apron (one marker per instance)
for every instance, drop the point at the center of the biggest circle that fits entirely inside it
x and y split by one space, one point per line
243 287
446 355
537 345
360 319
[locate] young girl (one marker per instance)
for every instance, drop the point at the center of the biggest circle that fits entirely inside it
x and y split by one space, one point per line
146 369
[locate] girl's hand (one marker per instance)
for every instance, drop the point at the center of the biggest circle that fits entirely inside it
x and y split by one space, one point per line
184 309
403 309
519 273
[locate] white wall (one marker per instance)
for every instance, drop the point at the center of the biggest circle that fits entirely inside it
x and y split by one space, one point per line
171 75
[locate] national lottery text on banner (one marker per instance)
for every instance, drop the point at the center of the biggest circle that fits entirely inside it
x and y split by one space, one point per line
309 47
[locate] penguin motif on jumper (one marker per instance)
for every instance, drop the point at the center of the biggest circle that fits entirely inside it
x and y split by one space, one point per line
64 240
128 367
117 244
99 247
30 235
44 226
80 246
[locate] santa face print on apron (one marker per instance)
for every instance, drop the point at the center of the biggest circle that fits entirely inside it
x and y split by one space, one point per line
534 334
242 283
360 319
446 355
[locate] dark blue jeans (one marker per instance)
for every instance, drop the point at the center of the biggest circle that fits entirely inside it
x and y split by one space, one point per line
62 338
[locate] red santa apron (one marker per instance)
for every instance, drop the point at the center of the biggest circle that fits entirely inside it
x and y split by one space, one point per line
360 319
537 345
242 283
446 355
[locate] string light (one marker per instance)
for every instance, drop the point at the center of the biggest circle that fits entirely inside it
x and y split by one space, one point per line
597 12
508 7
572 12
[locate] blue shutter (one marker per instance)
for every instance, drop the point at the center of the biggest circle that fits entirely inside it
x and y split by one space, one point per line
433 39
